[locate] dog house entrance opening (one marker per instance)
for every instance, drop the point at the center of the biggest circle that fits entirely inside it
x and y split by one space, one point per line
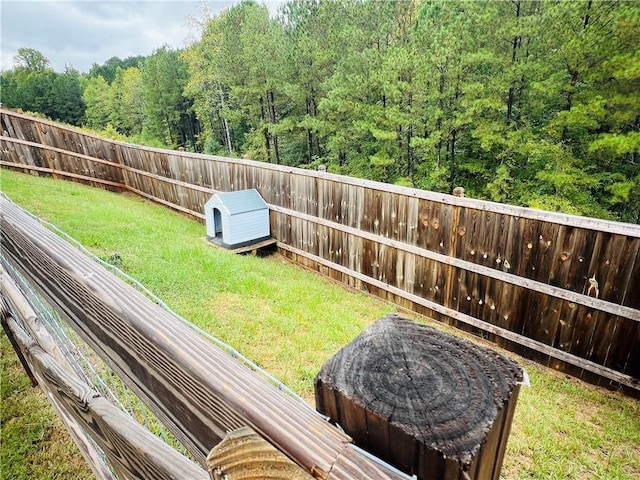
217 222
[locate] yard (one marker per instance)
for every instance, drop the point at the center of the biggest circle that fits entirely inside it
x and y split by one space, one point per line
289 321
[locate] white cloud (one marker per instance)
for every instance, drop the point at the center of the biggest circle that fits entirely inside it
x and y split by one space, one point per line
80 33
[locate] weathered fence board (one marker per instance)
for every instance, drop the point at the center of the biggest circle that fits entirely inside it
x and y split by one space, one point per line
30 320
197 390
132 451
12 295
522 270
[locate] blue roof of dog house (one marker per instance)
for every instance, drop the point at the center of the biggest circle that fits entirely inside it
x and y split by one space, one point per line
240 201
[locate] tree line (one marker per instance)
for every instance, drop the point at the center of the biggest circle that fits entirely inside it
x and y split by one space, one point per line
533 103
139 99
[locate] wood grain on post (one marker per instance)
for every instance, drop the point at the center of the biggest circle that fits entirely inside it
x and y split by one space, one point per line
19 303
5 317
245 455
429 403
30 320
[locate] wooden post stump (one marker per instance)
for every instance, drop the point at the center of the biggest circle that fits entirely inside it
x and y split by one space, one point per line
432 404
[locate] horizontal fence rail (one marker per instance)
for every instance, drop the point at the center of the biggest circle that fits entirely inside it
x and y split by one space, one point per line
132 451
51 334
561 289
198 390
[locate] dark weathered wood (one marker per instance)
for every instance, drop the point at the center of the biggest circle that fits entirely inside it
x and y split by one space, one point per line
244 455
5 316
85 443
41 337
435 392
627 380
349 467
133 450
197 390
30 320
482 270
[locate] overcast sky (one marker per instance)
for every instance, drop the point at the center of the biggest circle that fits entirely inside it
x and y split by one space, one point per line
80 33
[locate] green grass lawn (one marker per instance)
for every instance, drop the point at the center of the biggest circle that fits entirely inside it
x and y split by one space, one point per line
288 321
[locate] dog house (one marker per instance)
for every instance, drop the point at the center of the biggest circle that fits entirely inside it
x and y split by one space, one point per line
237 219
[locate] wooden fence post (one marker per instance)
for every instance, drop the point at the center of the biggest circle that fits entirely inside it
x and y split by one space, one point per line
429 403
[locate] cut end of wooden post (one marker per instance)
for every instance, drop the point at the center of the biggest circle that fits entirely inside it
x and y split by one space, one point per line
421 399
244 455
458 192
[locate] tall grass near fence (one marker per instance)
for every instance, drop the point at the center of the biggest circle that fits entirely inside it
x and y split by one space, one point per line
290 321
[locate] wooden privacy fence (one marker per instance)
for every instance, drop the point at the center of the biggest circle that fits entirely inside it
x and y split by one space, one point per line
198 391
561 289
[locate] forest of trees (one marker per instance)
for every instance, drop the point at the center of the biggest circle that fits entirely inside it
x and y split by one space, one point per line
533 103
